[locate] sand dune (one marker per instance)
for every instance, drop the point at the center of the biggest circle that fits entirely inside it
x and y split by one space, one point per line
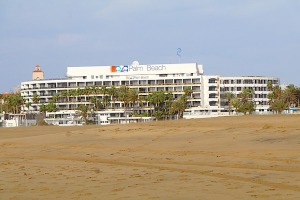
247 157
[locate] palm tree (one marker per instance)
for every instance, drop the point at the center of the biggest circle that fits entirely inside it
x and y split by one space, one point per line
246 95
168 104
87 91
279 105
51 107
97 103
158 114
73 93
1 98
28 104
270 86
277 92
162 102
1 103
156 98
4 105
282 99
277 100
43 108
133 96
123 95
141 101
297 96
113 92
178 106
64 94
79 93
289 95
14 103
35 98
55 97
229 96
104 90
244 102
236 103
105 98
187 92
94 89
84 112
106 101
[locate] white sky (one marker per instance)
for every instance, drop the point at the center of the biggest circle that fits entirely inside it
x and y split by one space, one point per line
229 37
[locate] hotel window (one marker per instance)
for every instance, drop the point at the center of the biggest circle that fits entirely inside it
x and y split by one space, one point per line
92 77
168 81
248 81
226 82
169 89
124 82
178 89
187 81
212 88
151 82
196 88
106 83
142 90
72 84
212 95
152 89
143 82
115 83
194 80
135 82
212 80
213 103
160 82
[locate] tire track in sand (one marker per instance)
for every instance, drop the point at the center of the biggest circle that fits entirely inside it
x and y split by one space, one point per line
161 166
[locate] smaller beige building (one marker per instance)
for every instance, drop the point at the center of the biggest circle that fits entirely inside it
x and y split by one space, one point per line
37 74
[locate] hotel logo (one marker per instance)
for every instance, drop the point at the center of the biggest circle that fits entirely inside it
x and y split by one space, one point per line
119 68
140 68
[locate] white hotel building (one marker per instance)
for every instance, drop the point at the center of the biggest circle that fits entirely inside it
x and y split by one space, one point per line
207 90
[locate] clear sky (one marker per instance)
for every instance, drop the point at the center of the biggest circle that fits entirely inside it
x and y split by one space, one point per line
229 37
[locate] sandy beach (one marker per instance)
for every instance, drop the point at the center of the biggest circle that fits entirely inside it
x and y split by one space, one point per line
246 157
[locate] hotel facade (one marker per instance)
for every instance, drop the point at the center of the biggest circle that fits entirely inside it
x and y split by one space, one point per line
207 96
